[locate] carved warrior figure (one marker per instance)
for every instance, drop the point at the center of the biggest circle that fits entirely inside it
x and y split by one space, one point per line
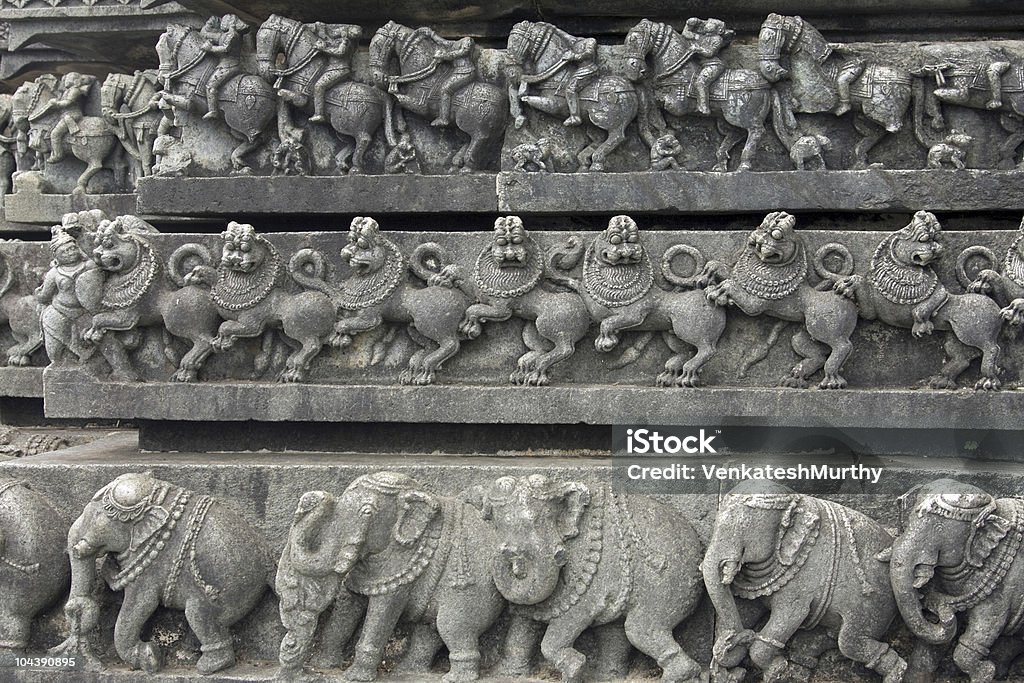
247 292
569 556
809 148
512 277
437 78
958 552
165 546
224 39
313 74
979 85
770 277
742 98
811 562
8 143
34 570
69 291
137 291
1006 285
952 150
390 548
564 70
619 290
131 102
902 290
378 292
821 79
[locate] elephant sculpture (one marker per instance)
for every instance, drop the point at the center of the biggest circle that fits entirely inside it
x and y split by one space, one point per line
960 547
389 548
34 572
570 557
810 562
164 545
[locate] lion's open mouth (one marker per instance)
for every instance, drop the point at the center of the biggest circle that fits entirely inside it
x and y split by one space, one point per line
111 262
769 255
922 258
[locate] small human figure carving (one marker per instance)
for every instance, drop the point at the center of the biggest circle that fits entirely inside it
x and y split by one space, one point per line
223 39
809 148
966 74
172 158
74 89
463 70
712 35
952 150
290 156
72 278
402 158
337 42
849 72
533 157
665 153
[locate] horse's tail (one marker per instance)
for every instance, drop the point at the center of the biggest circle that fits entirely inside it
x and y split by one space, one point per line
650 120
390 124
760 352
783 120
919 104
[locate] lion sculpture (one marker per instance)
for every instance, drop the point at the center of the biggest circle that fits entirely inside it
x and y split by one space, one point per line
19 311
902 290
137 294
770 277
512 279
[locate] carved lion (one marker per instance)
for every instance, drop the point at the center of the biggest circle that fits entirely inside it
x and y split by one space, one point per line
509 279
770 277
902 290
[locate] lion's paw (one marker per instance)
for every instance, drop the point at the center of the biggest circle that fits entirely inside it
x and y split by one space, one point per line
794 382
184 375
606 342
93 335
18 361
1014 313
222 343
665 379
423 377
340 340
405 377
687 379
471 329
988 384
832 382
941 382
922 328
536 378
290 375
518 376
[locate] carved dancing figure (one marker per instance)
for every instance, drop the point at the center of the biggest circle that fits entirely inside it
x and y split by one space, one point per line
71 276
463 70
225 41
337 42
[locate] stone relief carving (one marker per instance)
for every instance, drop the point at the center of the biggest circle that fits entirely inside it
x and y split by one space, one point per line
902 289
387 551
811 561
770 277
19 310
34 571
567 556
958 554
952 151
163 545
1005 285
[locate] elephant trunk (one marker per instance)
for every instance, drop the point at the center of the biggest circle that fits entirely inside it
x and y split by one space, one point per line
905 582
719 572
82 608
314 553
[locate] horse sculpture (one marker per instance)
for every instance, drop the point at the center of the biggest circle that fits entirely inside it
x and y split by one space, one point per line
477 109
820 80
247 100
37 110
741 99
130 101
355 110
608 102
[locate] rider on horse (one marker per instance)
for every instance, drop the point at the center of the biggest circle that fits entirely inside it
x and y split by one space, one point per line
337 42
463 70
708 38
75 88
584 53
961 92
225 41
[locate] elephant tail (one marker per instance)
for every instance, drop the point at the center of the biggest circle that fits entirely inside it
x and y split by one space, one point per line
760 352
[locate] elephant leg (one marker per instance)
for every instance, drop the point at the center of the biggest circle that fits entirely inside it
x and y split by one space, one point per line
613 647
214 637
136 610
557 647
345 616
520 644
805 649
924 662
14 631
382 615
984 624
770 641
872 653
460 629
650 629
424 643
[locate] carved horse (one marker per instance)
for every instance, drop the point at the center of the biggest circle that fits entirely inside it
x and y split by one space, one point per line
740 99
130 100
246 100
478 109
91 138
608 102
879 96
355 110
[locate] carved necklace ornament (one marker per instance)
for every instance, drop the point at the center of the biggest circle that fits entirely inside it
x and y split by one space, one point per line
770 281
237 291
365 291
616 286
30 569
898 282
123 290
1013 264
968 585
510 282
134 562
760 579
188 547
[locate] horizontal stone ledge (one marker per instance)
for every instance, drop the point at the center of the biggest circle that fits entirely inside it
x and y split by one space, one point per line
21 382
73 394
32 207
671 192
318 195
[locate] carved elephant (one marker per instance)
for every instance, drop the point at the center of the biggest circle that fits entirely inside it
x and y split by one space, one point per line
569 557
34 571
960 547
810 562
406 555
164 545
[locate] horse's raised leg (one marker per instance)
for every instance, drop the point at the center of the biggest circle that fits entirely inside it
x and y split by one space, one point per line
732 138
586 155
363 140
92 169
238 164
341 159
616 136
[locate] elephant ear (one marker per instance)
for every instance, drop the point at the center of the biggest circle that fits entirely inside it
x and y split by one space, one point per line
799 525
151 522
986 533
418 509
905 504
575 498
